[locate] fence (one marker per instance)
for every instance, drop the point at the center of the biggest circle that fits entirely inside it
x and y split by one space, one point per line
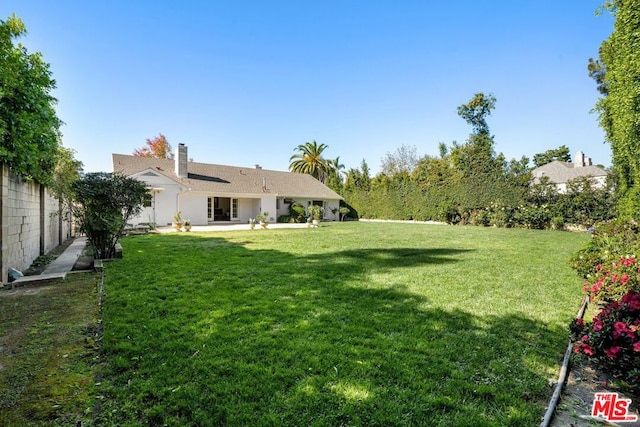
31 222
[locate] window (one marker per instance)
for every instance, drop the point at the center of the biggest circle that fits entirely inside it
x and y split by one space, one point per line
148 198
234 208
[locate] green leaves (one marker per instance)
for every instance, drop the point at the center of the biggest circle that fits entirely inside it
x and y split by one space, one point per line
617 73
29 126
309 160
104 204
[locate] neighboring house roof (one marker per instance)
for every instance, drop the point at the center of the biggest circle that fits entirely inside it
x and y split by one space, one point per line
563 172
222 179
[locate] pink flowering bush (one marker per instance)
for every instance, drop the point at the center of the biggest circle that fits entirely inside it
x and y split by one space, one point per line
612 339
613 280
609 242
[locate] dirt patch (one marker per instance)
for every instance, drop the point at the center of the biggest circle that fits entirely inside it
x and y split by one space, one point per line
583 382
84 262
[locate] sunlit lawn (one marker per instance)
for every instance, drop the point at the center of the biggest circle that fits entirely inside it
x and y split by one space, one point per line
348 324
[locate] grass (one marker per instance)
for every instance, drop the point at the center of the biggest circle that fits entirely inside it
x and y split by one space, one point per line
47 353
348 324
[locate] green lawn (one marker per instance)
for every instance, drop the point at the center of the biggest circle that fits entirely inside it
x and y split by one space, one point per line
348 324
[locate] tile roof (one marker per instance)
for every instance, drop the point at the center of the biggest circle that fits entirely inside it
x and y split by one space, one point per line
222 179
562 172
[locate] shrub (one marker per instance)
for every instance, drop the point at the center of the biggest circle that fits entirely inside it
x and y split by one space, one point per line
610 241
533 216
479 217
557 223
612 339
612 281
104 203
297 212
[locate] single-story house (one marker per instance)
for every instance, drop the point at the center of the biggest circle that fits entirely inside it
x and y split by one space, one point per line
208 193
560 173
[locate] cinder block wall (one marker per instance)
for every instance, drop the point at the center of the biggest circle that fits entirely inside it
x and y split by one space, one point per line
23 231
53 234
29 222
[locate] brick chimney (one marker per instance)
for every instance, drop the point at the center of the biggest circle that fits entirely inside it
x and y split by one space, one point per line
181 161
581 160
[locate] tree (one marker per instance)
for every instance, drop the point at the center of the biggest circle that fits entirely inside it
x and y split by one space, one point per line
66 173
157 147
404 159
358 178
309 160
29 126
335 176
561 154
619 107
598 73
104 203
476 111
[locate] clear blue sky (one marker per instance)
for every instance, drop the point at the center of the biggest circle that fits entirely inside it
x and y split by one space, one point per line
245 82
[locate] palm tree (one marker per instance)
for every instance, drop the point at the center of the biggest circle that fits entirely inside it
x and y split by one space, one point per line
309 160
336 167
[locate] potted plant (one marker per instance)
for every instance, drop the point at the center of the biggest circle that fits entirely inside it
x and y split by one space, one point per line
343 212
187 225
316 212
252 223
263 219
177 221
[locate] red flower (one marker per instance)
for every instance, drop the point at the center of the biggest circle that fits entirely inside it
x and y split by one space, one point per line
620 327
633 299
624 279
612 353
586 349
597 325
636 346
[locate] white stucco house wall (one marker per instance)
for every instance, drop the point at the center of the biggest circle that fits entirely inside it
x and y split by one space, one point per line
208 193
561 173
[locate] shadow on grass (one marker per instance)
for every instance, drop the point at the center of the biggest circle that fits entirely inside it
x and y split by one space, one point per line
206 332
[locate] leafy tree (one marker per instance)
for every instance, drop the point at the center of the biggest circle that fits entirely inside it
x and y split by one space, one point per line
404 159
435 172
619 107
598 73
334 178
475 112
29 126
561 154
358 179
157 147
104 203
309 160
66 173
518 172
585 204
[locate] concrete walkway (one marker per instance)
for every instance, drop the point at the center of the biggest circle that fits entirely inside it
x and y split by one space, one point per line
59 268
64 263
